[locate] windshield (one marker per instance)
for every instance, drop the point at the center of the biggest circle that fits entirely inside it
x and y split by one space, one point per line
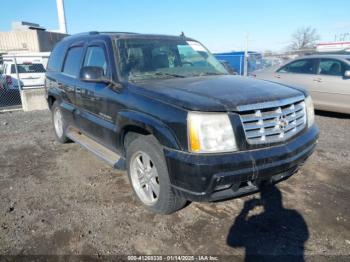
28 68
141 59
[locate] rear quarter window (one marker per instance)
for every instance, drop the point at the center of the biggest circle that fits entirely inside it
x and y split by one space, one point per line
56 58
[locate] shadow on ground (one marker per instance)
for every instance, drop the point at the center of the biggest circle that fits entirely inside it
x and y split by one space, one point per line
276 233
332 114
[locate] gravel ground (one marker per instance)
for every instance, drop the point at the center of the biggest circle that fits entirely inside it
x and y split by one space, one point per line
60 199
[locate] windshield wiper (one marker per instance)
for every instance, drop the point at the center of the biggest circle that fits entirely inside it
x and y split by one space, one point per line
141 77
210 74
168 74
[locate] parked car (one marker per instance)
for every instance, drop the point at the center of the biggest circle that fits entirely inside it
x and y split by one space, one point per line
326 77
164 109
31 74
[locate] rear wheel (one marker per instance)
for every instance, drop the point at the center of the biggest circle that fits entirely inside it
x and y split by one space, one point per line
149 176
59 123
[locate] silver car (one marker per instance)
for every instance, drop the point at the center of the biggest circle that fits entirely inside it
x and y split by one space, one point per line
327 77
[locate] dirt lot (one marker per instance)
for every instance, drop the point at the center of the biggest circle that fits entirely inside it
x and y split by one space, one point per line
60 199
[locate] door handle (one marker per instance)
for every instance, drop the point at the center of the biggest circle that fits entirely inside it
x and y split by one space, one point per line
78 90
277 76
319 80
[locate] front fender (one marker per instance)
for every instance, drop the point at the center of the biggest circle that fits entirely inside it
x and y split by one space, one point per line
128 120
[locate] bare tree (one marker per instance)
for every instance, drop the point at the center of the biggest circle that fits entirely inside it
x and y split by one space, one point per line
304 38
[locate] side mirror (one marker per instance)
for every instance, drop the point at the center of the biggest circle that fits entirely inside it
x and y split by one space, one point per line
95 74
347 74
92 74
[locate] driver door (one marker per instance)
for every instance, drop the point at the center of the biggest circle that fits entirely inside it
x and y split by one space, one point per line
300 73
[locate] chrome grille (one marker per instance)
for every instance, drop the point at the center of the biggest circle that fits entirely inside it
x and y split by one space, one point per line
273 122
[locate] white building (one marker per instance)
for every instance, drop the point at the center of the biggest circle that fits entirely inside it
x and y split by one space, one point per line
333 47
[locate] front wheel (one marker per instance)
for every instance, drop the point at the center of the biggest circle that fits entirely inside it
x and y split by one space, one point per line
149 176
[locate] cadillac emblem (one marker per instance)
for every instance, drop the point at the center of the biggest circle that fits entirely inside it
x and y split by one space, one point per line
282 123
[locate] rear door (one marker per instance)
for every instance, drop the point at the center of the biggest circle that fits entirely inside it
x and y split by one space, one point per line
332 91
67 81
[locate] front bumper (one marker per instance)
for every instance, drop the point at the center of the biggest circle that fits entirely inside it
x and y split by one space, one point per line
211 177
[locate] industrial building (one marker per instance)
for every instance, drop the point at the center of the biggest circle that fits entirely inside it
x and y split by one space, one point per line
25 36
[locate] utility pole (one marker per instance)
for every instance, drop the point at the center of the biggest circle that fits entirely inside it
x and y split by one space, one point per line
61 17
246 54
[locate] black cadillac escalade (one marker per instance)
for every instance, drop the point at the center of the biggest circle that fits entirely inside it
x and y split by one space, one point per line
164 109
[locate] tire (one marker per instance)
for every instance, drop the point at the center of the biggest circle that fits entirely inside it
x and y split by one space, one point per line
163 200
59 125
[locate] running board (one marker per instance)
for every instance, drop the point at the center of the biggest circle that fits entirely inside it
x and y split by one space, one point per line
102 152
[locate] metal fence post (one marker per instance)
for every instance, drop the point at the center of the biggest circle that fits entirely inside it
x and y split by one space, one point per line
240 65
17 74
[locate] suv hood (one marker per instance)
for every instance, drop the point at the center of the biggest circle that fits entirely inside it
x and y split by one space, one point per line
214 93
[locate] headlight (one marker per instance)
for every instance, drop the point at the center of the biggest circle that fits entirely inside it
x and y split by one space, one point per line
210 133
310 111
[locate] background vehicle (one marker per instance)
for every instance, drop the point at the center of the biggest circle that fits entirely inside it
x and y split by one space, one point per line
326 77
31 74
166 110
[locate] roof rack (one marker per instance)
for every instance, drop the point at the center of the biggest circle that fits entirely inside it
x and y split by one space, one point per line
112 32
105 32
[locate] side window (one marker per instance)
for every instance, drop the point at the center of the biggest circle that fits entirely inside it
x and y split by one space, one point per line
283 69
72 62
95 56
330 67
304 66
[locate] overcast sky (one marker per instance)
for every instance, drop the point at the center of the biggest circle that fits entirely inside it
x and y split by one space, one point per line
221 25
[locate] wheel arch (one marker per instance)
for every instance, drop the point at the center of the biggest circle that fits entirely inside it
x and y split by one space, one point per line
134 124
51 100
52 97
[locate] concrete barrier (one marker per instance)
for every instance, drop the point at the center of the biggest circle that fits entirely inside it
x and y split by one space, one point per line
33 99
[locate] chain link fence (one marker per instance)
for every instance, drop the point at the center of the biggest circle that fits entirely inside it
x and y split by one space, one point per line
10 96
19 73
